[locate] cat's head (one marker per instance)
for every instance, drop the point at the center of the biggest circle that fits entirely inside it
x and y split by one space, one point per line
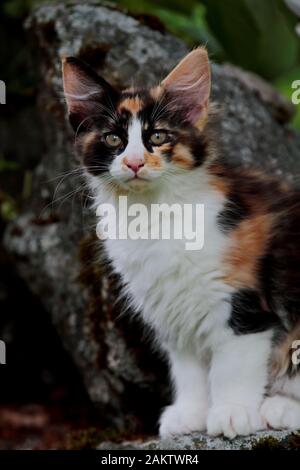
137 137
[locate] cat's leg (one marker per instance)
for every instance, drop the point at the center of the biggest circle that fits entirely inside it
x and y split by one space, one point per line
238 377
282 409
189 410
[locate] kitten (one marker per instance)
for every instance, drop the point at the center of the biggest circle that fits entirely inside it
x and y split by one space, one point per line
226 315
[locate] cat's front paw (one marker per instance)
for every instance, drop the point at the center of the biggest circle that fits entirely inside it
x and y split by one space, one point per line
233 420
280 412
182 418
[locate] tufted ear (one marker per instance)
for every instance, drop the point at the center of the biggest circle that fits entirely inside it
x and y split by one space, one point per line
87 94
188 85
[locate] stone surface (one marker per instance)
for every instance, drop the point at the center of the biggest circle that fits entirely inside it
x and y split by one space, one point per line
52 242
264 440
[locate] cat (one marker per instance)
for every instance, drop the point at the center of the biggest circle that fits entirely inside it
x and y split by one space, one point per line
225 316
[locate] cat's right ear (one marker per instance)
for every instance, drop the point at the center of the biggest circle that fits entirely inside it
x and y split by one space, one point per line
188 86
87 94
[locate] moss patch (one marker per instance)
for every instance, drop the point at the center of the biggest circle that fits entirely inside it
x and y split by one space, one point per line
90 438
267 443
292 442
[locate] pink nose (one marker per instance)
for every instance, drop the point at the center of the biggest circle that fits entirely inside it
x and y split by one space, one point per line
134 165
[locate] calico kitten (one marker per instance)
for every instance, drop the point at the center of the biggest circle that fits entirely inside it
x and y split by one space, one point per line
226 315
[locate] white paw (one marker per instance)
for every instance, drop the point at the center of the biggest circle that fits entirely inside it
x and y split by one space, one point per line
233 420
280 412
182 419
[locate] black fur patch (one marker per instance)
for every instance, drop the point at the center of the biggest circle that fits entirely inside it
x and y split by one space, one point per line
234 212
247 314
199 148
107 96
280 268
99 157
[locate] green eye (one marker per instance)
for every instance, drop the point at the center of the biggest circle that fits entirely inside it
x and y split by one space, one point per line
113 140
158 137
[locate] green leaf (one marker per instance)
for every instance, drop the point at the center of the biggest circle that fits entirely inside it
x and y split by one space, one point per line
8 210
8 166
257 35
193 28
178 6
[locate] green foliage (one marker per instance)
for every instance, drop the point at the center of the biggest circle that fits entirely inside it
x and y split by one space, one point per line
18 8
8 209
186 20
8 165
284 85
257 35
193 28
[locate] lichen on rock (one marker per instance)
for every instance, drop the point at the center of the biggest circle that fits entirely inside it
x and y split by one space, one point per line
263 440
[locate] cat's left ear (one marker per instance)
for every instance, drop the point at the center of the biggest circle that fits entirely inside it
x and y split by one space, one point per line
87 94
188 86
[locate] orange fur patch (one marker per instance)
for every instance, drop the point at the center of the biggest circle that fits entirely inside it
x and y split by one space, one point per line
89 140
201 123
134 105
221 184
248 244
153 161
156 92
182 156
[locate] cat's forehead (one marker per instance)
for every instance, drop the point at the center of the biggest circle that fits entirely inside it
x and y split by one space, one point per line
136 102
148 106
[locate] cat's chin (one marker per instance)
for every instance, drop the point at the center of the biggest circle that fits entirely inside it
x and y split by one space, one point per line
138 185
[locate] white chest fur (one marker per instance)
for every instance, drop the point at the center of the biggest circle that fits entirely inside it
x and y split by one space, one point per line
179 292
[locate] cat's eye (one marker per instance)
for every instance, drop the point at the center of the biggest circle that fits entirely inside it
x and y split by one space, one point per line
158 137
113 140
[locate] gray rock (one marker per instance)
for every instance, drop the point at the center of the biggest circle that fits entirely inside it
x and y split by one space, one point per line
263 440
53 241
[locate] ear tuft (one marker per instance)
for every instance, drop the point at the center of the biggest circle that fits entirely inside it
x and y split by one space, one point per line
189 85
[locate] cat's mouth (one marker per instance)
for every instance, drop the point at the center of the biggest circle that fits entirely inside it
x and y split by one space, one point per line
138 182
139 178
135 180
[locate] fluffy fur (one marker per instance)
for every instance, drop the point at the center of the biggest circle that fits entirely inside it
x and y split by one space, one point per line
224 315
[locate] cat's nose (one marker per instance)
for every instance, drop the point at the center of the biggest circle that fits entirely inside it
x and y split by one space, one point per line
134 165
